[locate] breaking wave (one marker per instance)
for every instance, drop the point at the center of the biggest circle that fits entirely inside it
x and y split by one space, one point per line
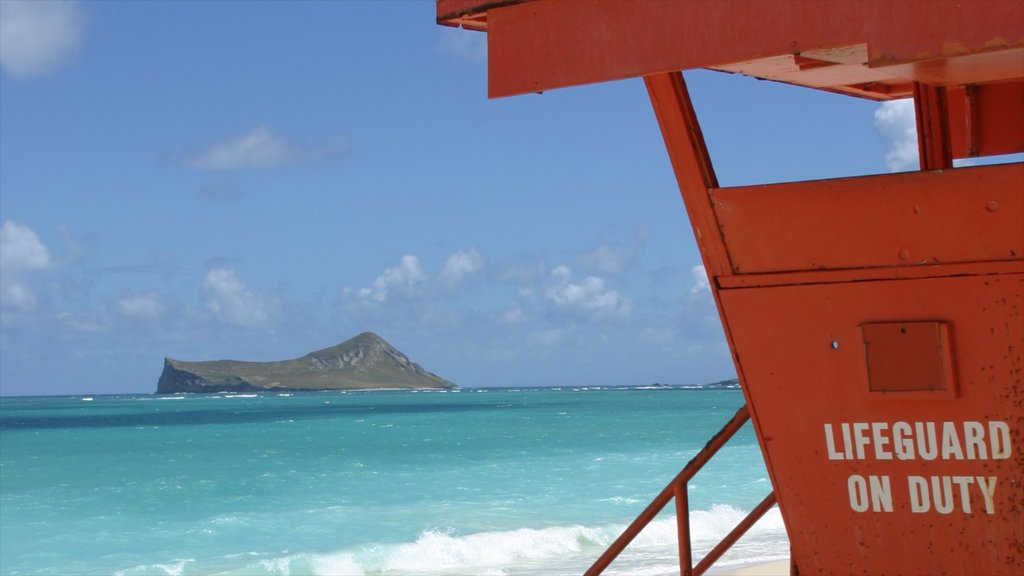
522 552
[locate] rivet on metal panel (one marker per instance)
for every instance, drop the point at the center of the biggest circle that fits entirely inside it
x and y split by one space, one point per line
992 206
835 344
904 254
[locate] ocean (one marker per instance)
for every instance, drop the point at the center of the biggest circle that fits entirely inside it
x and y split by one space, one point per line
482 482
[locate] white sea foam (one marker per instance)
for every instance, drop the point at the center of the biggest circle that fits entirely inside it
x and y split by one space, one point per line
178 568
549 551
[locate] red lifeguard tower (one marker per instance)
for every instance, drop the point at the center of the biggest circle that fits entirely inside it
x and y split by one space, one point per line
876 323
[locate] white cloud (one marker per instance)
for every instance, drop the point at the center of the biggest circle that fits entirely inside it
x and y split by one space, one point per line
232 302
16 294
146 306
606 259
615 257
896 122
257 149
700 280
589 296
21 249
39 37
463 44
520 271
260 149
21 254
513 316
459 266
405 279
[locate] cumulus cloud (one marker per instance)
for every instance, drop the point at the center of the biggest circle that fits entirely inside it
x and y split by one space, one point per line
259 149
404 280
513 315
612 258
232 302
21 249
700 280
37 38
407 281
146 306
519 272
588 296
896 122
459 266
21 254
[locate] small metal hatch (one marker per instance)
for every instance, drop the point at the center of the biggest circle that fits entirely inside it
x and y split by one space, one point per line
909 357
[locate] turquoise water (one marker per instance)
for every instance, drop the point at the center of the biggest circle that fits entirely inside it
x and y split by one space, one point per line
491 482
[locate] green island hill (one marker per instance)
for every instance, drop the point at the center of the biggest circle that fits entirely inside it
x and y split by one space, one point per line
363 362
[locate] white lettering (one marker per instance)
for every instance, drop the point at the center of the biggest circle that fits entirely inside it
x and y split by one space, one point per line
919 501
881 493
830 444
988 491
968 440
860 438
880 441
974 441
903 440
928 452
847 443
937 492
858 490
942 494
1000 439
951 442
965 496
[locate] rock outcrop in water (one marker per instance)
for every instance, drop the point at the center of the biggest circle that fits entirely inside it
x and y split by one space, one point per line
364 362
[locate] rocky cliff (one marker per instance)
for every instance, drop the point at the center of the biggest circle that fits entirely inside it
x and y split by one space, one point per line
363 362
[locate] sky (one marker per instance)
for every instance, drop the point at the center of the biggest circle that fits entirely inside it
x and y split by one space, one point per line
258 180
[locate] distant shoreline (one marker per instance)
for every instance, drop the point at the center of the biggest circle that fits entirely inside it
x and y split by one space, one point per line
720 385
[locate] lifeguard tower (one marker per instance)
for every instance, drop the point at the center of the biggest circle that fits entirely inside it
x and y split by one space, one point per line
876 323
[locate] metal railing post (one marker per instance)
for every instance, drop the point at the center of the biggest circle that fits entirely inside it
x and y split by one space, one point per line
683 529
677 489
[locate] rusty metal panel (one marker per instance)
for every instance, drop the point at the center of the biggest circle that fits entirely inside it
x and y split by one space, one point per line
907 357
861 489
548 44
987 120
470 14
921 218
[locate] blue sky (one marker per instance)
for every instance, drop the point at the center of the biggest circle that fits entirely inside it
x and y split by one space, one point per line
255 181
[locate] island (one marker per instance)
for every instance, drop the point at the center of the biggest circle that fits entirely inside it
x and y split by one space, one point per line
364 362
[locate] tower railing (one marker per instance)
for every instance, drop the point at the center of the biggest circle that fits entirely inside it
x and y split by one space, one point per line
677 489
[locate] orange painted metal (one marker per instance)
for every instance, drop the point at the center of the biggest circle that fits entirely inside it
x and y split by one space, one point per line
677 490
892 220
982 118
735 534
905 357
876 323
878 50
849 465
933 136
949 42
